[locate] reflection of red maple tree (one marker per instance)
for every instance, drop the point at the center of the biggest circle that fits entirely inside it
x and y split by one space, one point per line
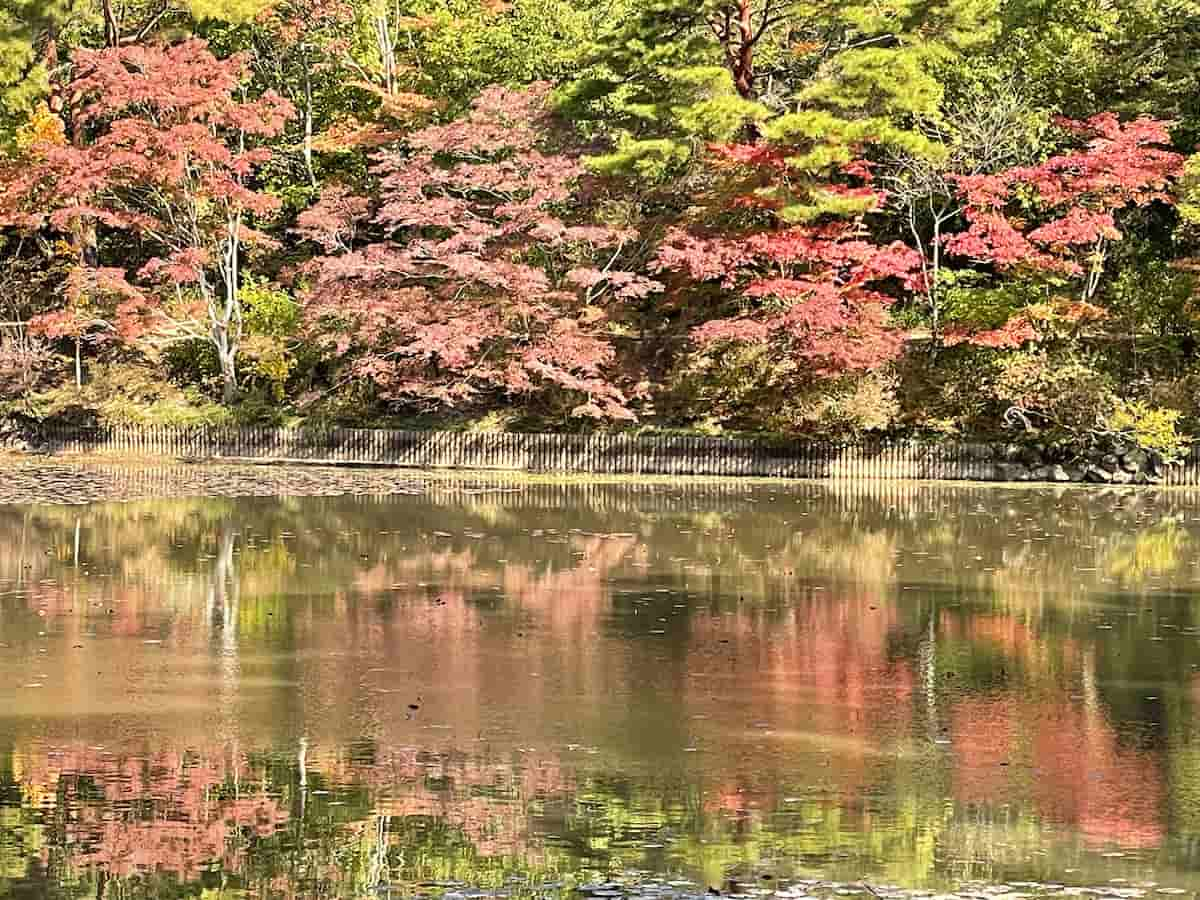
821 671
164 811
985 734
486 798
1112 793
1084 777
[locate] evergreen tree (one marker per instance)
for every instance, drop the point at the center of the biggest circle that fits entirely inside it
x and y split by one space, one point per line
879 82
671 75
28 47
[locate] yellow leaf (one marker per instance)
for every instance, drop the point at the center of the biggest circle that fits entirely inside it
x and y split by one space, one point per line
44 129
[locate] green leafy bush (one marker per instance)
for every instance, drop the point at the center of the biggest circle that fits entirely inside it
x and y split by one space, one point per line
1059 397
1153 429
749 389
127 394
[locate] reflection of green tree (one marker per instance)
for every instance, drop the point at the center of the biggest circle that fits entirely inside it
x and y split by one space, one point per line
1184 776
762 538
426 849
20 831
618 827
809 835
20 839
1183 763
1158 550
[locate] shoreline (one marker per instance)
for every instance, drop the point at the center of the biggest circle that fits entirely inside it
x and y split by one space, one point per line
82 479
609 455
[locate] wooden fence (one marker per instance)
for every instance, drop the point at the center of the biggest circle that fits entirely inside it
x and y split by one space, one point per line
596 453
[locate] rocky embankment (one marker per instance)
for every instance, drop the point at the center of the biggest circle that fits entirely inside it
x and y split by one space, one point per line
1118 465
18 435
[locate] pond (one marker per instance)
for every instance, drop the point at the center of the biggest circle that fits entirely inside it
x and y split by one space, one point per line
285 683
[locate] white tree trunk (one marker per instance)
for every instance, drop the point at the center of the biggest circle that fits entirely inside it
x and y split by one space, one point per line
228 359
225 311
387 52
308 122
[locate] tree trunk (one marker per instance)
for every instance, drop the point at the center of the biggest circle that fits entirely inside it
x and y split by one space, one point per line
935 306
387 53
85 235
929 273
308 122
225 314
112 31
1095 272
227 355
743 74
226 333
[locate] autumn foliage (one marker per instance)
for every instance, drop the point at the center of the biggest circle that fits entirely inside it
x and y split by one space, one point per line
1060 217
479 277
816 293
813 293
1075 197
754 215
165 154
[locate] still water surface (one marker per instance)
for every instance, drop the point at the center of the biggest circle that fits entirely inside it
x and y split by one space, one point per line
492 682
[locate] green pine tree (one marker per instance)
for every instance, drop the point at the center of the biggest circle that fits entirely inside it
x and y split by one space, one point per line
661 85
880 83
27 31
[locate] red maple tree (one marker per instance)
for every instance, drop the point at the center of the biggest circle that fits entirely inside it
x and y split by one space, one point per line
170 159
1060 217
479 280
813 292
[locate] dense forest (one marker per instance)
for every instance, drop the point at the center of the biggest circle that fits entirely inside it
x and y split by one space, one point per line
930 217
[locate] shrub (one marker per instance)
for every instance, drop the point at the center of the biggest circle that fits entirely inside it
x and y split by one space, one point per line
267 359
846 407
1153 429
1181 394
26 363
126 394
1057 397
749 389
951 394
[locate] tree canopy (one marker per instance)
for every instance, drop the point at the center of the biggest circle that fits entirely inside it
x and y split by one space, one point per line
793 216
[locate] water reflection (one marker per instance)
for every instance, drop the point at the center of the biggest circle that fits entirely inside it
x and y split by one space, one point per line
474 682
